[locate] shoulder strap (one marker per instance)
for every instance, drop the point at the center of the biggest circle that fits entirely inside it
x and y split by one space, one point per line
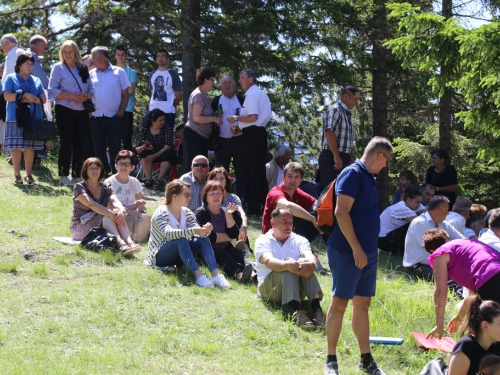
74 77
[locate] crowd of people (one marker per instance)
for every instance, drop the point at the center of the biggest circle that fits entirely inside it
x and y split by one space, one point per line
201 217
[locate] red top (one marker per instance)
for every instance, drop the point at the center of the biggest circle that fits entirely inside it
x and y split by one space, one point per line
300 197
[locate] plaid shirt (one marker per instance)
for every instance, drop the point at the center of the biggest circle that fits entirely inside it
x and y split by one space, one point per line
196 189
338 119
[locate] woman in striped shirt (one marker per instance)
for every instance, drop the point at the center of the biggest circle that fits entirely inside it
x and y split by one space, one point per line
176 236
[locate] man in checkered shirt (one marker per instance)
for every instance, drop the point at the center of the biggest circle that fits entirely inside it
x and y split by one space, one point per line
338 136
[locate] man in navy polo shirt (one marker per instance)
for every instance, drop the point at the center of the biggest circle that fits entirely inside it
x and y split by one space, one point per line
352 252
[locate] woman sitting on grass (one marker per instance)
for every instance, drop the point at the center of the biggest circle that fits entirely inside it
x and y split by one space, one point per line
175 235
224 231
469 263
95 204
483 324
220 174
128 189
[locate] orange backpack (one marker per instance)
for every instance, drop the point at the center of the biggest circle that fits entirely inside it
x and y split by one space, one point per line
325 205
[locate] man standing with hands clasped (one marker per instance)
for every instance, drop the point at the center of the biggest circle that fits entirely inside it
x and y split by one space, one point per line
352 252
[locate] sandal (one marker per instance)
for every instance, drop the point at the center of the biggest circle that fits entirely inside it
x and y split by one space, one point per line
18 180
129 250
29 179
157 185
148 183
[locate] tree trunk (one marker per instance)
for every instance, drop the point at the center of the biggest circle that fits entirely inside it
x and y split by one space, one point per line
445 110
191 54
379 92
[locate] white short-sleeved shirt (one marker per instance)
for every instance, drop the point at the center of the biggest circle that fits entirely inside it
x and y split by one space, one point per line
163 85
490 238
256 103
294 247
393 217
457 220
414 241
108 86
125 192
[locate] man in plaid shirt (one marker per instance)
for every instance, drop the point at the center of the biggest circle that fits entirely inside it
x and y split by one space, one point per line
338 136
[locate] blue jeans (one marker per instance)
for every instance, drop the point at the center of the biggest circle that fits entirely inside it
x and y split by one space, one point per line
187 250
107 132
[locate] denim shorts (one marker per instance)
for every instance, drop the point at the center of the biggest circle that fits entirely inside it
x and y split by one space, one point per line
347 279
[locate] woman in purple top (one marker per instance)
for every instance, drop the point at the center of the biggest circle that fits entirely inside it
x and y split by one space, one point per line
469 263
225 230
70 86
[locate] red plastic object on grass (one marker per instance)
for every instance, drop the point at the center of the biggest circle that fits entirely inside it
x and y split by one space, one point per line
445 344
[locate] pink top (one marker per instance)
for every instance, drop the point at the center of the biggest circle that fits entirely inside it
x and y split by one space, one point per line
472 263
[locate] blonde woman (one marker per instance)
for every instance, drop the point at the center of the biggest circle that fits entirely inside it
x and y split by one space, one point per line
70 86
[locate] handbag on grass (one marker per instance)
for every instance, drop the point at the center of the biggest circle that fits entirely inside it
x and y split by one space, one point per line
87 104
139 225
99 239
39 130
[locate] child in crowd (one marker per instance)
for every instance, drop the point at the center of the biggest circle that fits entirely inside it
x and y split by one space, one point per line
490 365
405 179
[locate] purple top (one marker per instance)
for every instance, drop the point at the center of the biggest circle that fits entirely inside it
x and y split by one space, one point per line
79 209
62 80
472 263
219 223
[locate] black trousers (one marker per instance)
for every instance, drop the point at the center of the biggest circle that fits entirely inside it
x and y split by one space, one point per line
327 166
305 228
233 148
255 142
394 242
230 259
195 145
128 129
75 140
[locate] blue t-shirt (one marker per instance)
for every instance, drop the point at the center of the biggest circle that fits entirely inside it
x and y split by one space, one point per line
399 192
364 212
132 78
33 85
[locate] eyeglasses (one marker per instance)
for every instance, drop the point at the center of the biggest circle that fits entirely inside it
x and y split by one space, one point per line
94 168
187 195
215 194
387 157
123 164
200 165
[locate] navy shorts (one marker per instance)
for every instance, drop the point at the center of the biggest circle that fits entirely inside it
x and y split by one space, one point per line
347 279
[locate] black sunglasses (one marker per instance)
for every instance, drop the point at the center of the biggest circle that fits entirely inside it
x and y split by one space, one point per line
200 165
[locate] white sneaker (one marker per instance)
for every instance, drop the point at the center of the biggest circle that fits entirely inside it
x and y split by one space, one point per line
221 282
204 282
66 181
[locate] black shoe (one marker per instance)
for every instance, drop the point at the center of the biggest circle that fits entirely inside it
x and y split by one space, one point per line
247 273
371 369
148 184
331 368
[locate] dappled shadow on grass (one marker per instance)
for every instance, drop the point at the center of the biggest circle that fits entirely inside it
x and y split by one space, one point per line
287 313
45 185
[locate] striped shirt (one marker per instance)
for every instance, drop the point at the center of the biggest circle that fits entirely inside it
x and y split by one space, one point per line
196 190
338 119
162 232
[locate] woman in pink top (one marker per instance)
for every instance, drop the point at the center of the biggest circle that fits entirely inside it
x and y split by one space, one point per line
469 263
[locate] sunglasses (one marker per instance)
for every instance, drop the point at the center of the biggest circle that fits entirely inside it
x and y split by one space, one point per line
200 165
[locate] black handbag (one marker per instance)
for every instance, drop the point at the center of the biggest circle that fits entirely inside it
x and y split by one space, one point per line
435 367
39 130
87 104
99 239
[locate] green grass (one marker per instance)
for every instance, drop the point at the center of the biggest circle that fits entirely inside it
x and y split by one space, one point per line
68 311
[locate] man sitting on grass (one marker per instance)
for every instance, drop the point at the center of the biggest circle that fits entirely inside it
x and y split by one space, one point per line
285 269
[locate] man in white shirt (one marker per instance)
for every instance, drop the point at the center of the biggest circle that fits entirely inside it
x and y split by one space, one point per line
415 256
231 146
491 235
253 118
285 269
460 213
111 99
11 51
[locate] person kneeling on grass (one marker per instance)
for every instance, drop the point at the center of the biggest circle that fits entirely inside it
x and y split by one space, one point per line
285 269
95 204
176 236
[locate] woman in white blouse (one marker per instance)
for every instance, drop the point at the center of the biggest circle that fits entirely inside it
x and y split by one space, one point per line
175 235
395 220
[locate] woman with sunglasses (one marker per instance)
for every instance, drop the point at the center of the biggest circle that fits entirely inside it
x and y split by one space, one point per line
96 205
176 238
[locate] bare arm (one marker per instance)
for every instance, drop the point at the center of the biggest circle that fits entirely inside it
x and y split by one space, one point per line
440 293
459 364
94 206
197 117
131 89
446 189
124 103
298 211
342 210
279 265
331 139
178 98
